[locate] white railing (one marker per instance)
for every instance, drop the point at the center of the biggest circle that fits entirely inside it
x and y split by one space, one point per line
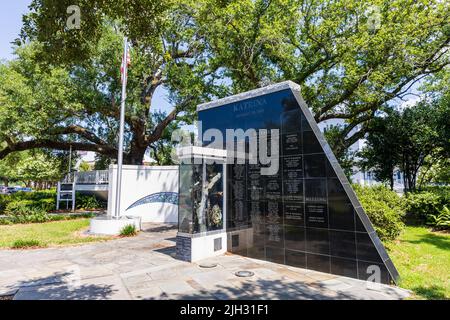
87 177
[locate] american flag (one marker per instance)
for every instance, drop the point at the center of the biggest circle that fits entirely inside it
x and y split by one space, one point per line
122 66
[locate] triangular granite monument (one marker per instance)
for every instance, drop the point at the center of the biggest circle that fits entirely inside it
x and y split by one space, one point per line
306 215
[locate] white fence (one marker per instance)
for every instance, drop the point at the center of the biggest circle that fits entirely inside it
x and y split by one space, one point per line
150 192
88 177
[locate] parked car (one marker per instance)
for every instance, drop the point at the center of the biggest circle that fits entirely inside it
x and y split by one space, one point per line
10 190
3 190
24 189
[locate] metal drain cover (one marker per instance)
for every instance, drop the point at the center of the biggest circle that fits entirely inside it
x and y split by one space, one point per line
208 265
244 274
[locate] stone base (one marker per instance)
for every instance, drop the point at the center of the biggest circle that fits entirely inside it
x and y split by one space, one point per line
194 247
111 226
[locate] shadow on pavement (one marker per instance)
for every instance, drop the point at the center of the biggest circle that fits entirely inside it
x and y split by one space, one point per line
61 286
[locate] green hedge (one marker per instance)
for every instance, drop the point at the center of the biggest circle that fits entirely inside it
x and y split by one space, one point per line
35 216
22 203
384 209
45 199
4 200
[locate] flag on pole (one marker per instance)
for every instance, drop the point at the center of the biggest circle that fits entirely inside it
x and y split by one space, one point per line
123 68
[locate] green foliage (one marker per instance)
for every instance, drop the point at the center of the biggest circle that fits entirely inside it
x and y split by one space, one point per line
84 166
33 165
36 216
23 244
25 211
384 209
62 106
429 201
442 220
45 200
34 195
32 207
47 204
437 171
404 140
128 230
87 202
4 200
422 204
348 68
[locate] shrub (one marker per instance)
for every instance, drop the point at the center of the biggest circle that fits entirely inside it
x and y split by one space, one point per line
384 209
429 201
86 202
33 211
22 207
25 211
20 244
128 230
45 199
37 218
4 200
34 195
46 204
442 220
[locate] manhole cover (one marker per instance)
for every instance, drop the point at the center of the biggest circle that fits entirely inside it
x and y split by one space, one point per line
208 265
244 273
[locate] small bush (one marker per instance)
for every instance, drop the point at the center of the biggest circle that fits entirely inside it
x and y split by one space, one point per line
4 200
422 204
46 204
128 230
426 202
45 199
86 202
33 211
34 195
21 244
442 220
25 211
384 209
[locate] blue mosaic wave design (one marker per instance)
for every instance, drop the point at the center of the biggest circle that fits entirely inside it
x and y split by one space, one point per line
164 197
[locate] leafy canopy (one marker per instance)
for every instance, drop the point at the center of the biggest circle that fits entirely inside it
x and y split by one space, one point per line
351 59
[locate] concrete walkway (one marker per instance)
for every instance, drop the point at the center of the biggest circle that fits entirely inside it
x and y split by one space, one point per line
144 267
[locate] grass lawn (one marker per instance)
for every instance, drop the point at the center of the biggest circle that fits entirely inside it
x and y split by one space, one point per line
46 234
422 258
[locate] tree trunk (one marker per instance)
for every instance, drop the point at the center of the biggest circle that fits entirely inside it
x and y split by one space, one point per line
135 156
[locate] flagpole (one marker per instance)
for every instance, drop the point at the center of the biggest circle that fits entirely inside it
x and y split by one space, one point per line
121 128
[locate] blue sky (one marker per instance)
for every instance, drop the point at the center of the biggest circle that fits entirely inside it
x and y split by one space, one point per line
10 24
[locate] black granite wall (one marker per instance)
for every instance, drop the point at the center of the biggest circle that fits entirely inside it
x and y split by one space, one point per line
302 215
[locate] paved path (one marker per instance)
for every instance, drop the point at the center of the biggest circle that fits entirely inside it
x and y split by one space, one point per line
144 267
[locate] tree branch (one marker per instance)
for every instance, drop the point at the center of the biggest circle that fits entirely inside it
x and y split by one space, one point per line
58 145
82 132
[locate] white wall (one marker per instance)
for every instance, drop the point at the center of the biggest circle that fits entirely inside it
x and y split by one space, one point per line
139 182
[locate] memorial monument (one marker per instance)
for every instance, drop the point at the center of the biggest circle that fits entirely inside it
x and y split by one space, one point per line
304 212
